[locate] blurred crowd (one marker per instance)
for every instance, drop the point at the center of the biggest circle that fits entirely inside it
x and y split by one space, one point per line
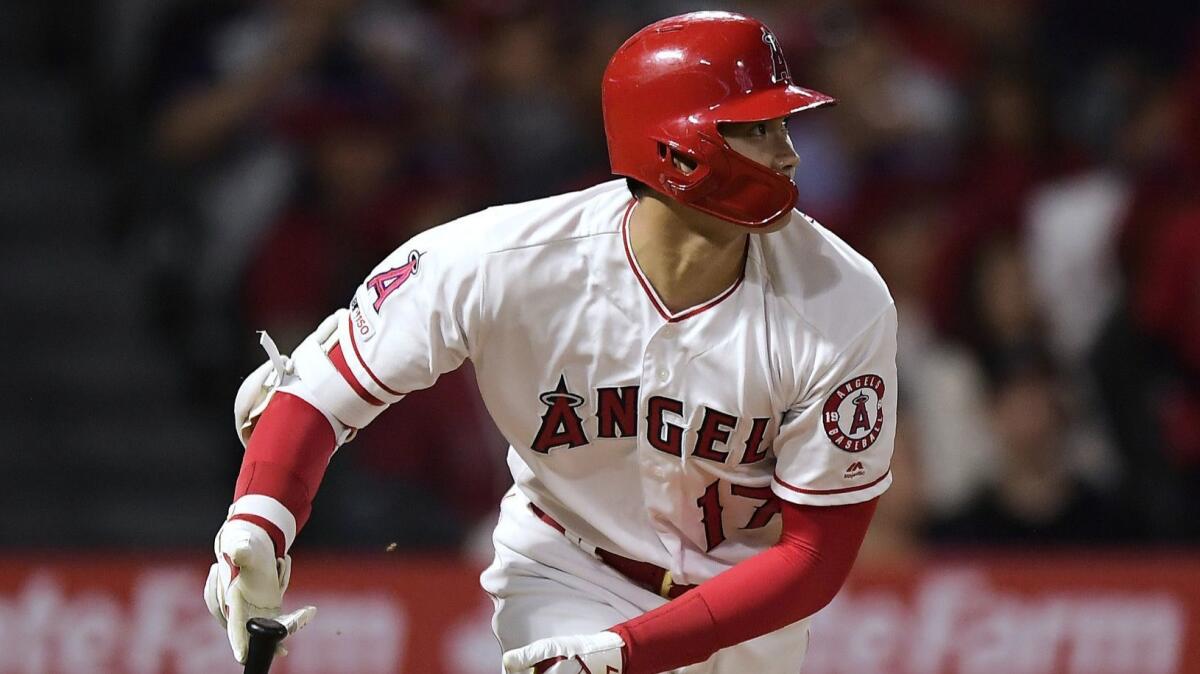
1024 173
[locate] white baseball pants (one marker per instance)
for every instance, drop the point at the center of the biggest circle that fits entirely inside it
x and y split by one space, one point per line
543 585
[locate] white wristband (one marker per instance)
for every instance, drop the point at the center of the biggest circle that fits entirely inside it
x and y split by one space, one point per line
269 509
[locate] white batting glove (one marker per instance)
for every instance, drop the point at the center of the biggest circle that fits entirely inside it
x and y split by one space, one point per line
580 654
247 581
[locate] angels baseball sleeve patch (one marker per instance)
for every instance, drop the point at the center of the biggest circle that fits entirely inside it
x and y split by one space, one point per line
836 447
853 414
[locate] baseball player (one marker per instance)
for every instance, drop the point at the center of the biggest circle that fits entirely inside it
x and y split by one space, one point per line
697 381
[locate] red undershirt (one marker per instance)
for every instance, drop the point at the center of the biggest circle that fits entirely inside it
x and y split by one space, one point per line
285 459
790 581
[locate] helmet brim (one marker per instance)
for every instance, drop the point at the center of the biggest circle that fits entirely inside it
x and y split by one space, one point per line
770 104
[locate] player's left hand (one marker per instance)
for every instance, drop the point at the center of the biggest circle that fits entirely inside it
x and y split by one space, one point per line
596 653
247 581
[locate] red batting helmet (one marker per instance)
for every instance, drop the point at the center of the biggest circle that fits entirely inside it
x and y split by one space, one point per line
667 88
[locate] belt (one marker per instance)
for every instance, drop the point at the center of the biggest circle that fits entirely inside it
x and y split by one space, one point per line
644 574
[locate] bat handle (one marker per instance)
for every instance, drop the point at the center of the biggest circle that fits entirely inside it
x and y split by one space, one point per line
265 634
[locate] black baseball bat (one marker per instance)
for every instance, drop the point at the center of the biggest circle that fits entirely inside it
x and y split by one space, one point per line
265 635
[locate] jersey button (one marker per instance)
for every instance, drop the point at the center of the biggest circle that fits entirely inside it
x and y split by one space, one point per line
663 374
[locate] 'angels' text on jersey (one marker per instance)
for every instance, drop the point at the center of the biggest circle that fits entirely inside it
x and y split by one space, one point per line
615 416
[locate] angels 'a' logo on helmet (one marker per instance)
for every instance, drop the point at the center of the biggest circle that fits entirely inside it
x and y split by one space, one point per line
853 414
779 68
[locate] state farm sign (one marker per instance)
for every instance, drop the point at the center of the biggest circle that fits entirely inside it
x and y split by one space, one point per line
384 614
960 621
156 627
146 616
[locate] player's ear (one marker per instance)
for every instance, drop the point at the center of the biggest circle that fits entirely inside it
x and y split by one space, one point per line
684 163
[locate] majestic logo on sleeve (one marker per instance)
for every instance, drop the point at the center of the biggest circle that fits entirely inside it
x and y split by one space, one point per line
561 424
388 282
853 414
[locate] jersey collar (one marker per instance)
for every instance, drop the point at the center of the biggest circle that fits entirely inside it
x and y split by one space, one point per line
652 294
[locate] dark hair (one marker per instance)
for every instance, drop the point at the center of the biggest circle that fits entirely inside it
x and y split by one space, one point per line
637 188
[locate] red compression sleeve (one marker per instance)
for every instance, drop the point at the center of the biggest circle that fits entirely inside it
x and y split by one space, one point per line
792 580
286 459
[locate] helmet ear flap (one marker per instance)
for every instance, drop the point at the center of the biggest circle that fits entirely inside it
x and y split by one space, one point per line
694 182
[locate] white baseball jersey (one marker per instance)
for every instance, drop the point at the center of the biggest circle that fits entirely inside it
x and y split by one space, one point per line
662 437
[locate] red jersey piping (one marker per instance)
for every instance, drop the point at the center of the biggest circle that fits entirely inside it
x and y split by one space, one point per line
641 277
825 492
339 363
354 344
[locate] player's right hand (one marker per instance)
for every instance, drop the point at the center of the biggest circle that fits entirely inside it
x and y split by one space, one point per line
601 652
247 581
